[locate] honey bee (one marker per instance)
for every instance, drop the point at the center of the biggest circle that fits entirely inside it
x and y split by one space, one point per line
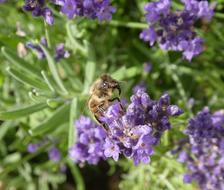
101 95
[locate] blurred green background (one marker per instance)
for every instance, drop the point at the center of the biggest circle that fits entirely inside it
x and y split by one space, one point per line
41 112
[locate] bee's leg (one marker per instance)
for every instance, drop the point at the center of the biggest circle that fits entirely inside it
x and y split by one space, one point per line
119 90
101 123
118 99
117 87
98 120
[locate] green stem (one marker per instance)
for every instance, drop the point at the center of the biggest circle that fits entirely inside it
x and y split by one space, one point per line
47 35
172 69
76 174
135 25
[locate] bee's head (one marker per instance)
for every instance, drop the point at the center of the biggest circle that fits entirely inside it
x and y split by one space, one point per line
108 82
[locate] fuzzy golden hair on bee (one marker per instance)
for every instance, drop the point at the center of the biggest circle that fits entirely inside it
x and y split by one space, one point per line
102 95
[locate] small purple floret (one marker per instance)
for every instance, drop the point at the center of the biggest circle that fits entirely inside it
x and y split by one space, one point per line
37 49
54 154
31 148
48 16
60 52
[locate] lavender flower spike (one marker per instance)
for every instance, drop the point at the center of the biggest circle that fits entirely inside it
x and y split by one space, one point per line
203 154
89 146
132 131
135 131
174 30
102 10
37 7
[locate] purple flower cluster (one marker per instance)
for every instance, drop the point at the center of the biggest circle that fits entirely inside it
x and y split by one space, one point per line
175 30
38 8
91 139
131 132
204 152
60 51
136 130
100 9
54 153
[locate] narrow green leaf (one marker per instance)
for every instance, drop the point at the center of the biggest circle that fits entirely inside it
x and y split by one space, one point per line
53 69
119 74
19 62
124 72
25 79
90 67
47 80
54 102
12 158
74 80
132 72
73 114
5 127
74 42
89 75
22 112
60 117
